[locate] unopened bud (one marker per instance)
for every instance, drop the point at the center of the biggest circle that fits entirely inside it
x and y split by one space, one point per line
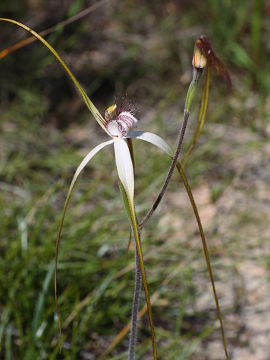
199 60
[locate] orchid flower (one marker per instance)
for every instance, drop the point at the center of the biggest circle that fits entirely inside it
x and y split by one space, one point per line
117 124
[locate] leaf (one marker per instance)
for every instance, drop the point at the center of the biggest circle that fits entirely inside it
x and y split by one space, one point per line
99 118
87 158
40 303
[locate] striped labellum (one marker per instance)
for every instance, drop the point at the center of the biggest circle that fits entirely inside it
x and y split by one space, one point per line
119 122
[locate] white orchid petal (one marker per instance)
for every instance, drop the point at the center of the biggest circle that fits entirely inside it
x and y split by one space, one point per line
89 156
124 167
153 139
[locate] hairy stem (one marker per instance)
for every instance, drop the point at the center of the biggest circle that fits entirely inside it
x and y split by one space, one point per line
135 307
189 99
170 172
130 208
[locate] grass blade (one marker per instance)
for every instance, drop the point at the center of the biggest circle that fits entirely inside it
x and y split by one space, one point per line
41 299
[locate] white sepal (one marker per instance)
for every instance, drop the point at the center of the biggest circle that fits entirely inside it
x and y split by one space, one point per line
88 157
124 167
151 138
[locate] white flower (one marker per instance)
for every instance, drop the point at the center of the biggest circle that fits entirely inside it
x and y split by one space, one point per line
119 130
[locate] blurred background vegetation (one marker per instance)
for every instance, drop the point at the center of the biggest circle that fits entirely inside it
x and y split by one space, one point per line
142 49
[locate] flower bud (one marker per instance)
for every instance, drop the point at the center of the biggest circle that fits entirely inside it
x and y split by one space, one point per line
199 60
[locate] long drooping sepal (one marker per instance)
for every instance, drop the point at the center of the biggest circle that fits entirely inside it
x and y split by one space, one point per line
126 177
87 158
201 118
99 118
